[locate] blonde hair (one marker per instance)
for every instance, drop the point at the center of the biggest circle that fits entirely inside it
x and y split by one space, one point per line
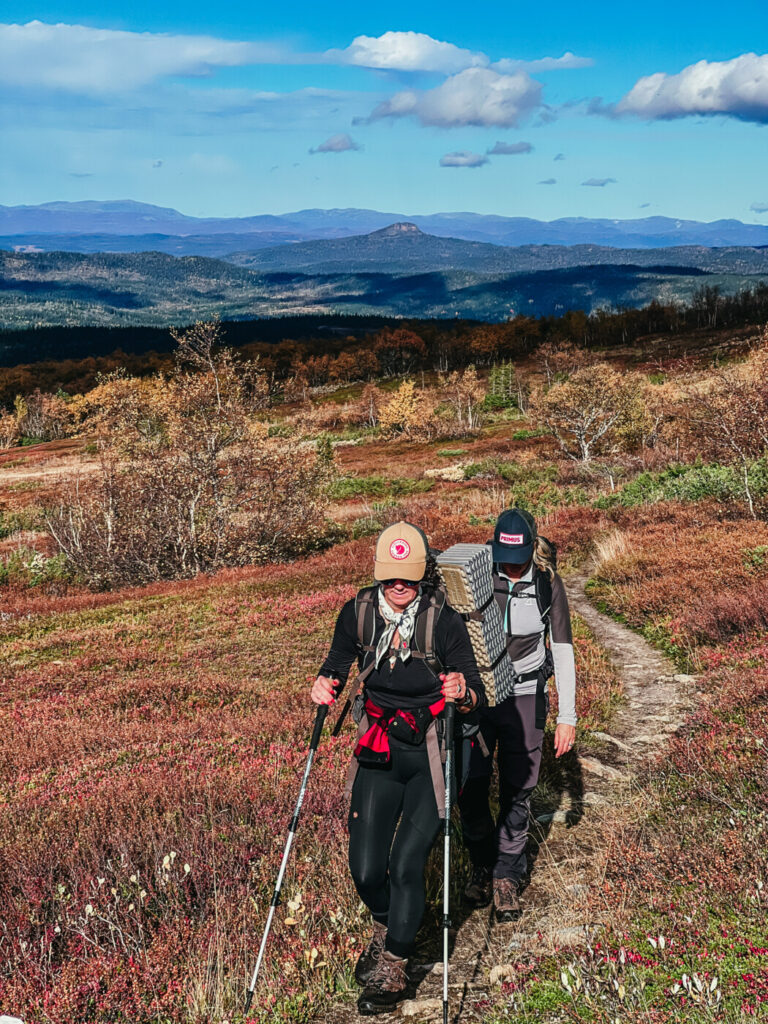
544 556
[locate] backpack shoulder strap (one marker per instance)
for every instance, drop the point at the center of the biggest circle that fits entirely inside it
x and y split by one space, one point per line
424 632
542 583
365 617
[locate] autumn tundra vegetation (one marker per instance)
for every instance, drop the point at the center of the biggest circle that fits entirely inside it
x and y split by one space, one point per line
176 539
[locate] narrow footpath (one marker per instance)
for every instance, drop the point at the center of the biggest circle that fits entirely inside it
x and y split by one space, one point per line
568 844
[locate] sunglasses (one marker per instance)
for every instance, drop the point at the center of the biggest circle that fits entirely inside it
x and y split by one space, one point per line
405 583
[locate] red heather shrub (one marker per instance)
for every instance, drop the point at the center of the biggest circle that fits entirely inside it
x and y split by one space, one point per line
720 615
173 719
679 565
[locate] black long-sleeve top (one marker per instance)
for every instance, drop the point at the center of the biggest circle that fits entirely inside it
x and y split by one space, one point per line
412 683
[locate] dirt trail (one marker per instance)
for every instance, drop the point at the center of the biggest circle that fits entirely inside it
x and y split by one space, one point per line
569 843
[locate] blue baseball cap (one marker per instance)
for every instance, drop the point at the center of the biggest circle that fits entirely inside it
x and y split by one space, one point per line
514 537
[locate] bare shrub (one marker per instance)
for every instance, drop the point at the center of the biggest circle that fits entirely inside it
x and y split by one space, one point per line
189 482
404 412
41 416
727 416
464 394
561 356
9 430
596 411
398 351
371 401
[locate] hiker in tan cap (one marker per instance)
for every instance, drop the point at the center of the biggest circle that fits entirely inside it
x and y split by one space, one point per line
413 652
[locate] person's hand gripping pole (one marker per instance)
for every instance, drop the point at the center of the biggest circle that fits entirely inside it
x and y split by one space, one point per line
325 690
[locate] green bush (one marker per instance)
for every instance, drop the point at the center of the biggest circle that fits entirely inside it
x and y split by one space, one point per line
30 568
512 472
279 430
499 402
688 483
539 499
755 558
382 513
347 487
25 519
502 388
524 435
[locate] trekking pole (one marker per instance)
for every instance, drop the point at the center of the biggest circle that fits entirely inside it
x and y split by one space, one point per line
450 711
322 711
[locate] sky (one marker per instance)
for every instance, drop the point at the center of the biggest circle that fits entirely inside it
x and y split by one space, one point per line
557 110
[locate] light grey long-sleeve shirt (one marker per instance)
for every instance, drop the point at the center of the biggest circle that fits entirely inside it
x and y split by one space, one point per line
526 636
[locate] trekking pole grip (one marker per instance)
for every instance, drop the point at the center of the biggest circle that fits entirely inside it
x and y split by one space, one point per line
450 718
320 716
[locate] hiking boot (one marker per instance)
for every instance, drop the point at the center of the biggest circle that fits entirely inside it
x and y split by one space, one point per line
370 956
506 900
385 987
478 889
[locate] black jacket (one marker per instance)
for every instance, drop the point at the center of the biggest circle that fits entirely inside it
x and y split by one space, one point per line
409 684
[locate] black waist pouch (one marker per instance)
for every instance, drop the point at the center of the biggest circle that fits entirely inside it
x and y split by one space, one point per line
410 726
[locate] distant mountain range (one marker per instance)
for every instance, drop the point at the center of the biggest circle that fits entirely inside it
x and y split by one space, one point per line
92 226
129 263
404 248
117 289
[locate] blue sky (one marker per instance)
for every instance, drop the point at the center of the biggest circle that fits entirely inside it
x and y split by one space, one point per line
604 110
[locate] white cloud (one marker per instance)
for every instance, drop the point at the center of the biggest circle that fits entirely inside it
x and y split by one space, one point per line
84 60
406 51
548 181
566 62
738 88
340 143
599 182
759 207
463 159
476 96
510 148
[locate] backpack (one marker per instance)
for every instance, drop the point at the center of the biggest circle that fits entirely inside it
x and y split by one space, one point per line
423 645
542 585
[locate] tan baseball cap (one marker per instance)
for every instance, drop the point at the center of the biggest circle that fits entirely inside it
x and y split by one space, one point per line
401 553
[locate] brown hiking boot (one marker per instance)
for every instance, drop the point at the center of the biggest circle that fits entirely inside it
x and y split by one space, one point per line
368 959
478 889
506 900
386 986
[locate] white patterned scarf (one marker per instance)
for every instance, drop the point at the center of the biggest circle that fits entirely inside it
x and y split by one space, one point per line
396 622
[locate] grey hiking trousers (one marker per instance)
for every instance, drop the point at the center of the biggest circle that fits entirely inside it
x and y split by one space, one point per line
500 845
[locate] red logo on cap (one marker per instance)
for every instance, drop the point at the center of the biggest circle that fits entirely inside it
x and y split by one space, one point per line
399 549
511 538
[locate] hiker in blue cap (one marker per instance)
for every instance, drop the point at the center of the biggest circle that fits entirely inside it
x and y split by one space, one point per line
537 624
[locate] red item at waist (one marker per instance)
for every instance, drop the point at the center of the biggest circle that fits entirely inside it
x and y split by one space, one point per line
373 746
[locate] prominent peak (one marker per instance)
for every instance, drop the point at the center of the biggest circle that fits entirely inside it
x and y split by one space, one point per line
404 227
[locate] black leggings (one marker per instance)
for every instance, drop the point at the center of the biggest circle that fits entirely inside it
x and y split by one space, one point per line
393 822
